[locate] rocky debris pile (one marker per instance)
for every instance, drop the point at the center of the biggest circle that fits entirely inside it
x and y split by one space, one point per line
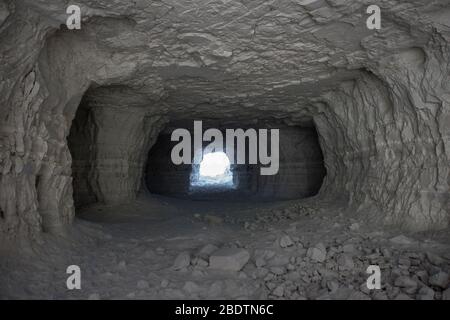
337 270
182 261
297 267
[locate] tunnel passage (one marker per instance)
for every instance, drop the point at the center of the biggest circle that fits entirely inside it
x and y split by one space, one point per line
108 146
301 170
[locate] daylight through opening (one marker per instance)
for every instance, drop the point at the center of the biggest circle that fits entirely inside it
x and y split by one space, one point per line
214 170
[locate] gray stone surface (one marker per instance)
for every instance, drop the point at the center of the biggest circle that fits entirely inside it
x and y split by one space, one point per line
317 253
440 279
425 293
446 294
183 260
229 259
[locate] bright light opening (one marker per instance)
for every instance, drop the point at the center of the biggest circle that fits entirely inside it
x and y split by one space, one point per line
214 165
214 170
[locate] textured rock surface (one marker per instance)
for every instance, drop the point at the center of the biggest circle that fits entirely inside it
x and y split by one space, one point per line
229 259
380 99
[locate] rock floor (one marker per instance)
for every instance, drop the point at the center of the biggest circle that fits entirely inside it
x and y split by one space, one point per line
164 248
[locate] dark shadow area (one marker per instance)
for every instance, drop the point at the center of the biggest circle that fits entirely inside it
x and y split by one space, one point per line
81 142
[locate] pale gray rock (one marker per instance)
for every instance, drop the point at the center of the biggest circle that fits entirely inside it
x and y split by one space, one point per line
345 262
207 250
317 253
191 287
379 295
122 266
215 289
439 279
285 241
260 262
425 293
278 291
164 283
349 248
278 260
142 284
278 270
402 296
183 260
131 295
402 240
229 259
200 263
434 259
358 295
333 286
406 283
94 296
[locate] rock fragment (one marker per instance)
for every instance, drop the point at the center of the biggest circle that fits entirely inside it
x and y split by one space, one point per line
439 279
345 262
286 241
317 253
229 259
406 283
142 284
402 240
183 260
434 259
425 293
354 226
94 296
446 294
278 291
191 287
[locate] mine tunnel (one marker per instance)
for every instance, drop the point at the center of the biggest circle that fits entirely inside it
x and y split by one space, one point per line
300 168
300 173
225 150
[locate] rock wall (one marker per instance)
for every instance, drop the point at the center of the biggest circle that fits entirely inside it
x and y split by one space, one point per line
109 148
390 132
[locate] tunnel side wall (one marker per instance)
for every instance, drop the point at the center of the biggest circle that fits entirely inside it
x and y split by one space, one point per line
386 139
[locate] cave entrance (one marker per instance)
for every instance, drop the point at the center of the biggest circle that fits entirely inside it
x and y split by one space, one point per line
214 171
